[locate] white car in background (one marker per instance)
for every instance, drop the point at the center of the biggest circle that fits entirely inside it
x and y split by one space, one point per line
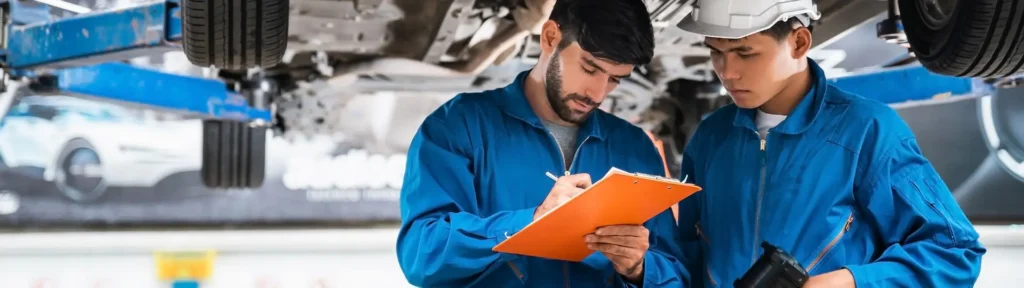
85 147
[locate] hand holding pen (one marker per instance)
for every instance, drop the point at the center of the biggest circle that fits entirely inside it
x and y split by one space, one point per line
564 189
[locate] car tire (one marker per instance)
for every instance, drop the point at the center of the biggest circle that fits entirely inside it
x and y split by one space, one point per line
234 154
978 38
235 34
73 161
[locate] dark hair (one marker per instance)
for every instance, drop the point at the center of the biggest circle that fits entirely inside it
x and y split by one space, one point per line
617 30
781 29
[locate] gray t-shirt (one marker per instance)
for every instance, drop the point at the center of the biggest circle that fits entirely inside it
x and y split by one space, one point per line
566 138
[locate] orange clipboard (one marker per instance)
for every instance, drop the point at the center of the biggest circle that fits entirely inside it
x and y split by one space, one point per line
620 198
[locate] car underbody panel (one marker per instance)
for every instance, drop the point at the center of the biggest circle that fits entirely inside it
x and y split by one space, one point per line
342 48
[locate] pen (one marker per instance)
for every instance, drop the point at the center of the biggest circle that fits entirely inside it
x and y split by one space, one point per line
552 176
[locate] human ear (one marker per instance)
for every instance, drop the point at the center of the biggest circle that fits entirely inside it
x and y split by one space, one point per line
800 40
550 36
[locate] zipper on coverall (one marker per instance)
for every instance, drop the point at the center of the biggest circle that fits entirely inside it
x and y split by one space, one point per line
831 244
760 195
561 159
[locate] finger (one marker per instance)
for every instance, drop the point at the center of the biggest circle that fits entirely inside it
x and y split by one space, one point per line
575 191
611 249
623 230
581 180
627 241
633 244
565 185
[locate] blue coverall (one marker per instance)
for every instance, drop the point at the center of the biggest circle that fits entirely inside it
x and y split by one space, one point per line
839 183
476 173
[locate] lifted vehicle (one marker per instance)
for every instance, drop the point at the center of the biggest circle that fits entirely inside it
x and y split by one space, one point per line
466 45
299 61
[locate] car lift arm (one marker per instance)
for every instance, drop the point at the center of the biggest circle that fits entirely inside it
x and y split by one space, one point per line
77 55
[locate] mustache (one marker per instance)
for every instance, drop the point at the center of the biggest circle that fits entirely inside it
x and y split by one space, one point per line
581 98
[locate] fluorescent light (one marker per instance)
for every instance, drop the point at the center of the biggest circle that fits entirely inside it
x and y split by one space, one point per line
66 6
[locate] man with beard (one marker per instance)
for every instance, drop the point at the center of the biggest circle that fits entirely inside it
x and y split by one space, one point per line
476 168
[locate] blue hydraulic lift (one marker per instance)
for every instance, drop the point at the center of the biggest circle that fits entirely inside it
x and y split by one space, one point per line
78 55
908 83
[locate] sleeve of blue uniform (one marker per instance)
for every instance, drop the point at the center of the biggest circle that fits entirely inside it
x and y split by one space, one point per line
690 251
928 240
443 240
675 249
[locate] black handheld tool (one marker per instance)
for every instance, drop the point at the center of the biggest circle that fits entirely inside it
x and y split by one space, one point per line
775 269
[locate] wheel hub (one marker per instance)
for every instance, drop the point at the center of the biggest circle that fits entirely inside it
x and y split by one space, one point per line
1002 116
936 12
82 177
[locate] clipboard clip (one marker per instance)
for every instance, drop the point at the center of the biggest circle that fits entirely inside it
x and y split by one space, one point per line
657 177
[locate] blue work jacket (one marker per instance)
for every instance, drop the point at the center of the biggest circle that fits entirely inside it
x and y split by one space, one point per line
475 175
840 183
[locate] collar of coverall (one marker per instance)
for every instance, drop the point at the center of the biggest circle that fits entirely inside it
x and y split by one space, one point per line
514 104
803 115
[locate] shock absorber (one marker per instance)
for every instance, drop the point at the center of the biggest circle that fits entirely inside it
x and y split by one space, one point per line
891 29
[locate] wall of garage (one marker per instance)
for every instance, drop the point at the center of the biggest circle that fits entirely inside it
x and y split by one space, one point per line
355 177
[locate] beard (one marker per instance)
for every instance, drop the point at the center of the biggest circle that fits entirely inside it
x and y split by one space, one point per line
553 89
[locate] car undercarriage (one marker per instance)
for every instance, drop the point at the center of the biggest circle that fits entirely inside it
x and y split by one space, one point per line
338 49
305 60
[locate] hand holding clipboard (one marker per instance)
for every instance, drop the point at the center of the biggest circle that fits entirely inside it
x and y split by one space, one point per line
620 198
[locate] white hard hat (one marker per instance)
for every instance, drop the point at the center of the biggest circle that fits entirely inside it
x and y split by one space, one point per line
734 19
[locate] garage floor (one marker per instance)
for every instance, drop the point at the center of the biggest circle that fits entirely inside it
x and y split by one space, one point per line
290 258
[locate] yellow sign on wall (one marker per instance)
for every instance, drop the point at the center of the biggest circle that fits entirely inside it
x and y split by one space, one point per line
195 265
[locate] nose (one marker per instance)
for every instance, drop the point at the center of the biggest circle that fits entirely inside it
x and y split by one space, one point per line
727 70
598 87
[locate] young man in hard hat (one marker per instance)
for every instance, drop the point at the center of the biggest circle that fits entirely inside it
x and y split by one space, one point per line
476 171
834 179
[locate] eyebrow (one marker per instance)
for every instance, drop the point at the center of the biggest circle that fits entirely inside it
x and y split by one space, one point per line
742 48
598 67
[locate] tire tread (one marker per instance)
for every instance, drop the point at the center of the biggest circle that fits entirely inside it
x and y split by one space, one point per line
235 34
234 155
985 39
